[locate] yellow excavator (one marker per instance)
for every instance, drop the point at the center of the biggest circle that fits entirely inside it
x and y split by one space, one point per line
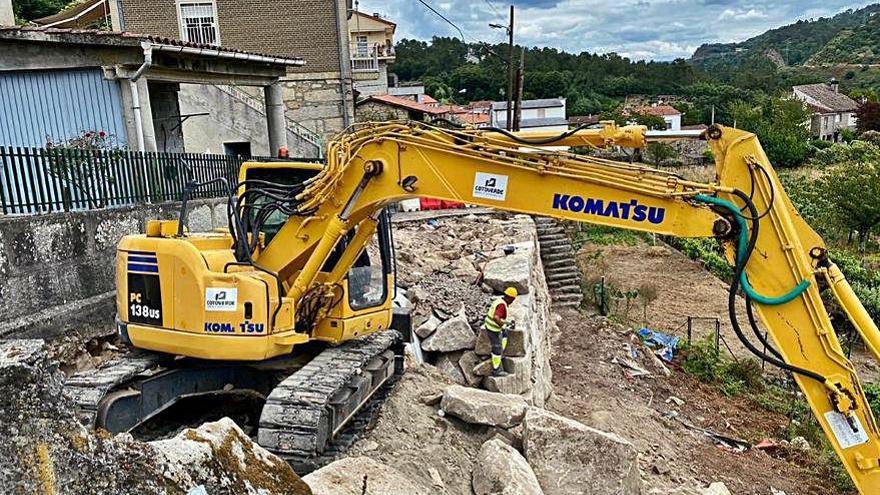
286 303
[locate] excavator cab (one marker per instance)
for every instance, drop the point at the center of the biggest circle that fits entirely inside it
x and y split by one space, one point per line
202 295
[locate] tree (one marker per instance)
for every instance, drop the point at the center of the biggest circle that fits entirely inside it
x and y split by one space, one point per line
851 186
869 116
654 122
779 124
28 10
659 152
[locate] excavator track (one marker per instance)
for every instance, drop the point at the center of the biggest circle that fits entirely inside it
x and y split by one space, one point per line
87 390
306 416
310 416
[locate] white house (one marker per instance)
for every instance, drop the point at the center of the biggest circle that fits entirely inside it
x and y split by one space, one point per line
668 113
832 111
536 115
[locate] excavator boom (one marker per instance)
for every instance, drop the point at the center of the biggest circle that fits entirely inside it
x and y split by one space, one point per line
780 263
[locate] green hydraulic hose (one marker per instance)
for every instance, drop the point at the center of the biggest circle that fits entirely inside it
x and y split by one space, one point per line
741 252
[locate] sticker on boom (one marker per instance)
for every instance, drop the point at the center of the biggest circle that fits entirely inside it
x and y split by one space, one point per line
490 186
221 299
631 210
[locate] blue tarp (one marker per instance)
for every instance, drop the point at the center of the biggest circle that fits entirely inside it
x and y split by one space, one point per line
665 343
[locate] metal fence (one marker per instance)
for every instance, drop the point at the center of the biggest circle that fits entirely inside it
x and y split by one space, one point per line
39 180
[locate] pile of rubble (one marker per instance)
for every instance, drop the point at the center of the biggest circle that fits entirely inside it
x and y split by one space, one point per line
465 441
51 452
451 268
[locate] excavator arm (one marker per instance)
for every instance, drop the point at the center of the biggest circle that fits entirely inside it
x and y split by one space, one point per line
780 263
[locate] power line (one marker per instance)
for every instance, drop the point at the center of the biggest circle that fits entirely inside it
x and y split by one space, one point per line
492 6
432 9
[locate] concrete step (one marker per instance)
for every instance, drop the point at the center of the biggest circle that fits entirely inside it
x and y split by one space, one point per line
567 288
561 272
563 282
575 298
561 262
552 237
545 220
556 257
559 248
549 231
566 304
547 244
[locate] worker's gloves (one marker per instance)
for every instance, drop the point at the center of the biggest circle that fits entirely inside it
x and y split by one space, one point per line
509 325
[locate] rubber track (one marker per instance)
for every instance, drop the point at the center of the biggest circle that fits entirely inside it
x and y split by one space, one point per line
302 412
88 388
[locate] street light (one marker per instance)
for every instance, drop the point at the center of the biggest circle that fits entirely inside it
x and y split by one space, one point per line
509 29
499 26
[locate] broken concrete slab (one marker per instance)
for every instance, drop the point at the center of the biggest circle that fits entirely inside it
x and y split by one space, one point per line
222 458
513 270
454 334
359 475
428 327
570 457
501 470
483 407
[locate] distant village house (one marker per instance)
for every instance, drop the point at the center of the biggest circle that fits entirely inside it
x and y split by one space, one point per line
832 111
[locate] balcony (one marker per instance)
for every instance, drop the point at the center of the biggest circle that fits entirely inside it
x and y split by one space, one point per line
366 57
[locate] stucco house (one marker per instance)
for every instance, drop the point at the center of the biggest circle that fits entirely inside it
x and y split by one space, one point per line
536 115
832 111
371 44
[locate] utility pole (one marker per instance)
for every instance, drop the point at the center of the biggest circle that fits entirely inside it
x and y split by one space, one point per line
510 72
520 76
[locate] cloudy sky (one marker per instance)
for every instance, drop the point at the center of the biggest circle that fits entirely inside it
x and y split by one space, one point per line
640 29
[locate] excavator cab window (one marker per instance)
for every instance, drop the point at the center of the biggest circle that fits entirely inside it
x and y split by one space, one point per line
368 278
279 175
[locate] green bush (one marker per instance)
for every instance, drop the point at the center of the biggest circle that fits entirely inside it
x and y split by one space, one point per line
604 236
707 251
821 144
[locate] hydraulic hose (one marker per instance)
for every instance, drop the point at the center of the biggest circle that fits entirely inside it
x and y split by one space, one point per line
746 244
743 251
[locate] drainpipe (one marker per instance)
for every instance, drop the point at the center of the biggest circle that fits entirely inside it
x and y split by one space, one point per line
135 97
136 107
346 119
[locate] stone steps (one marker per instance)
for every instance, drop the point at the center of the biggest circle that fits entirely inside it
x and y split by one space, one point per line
560 270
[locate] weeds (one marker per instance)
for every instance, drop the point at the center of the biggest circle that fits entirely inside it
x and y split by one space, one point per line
605 236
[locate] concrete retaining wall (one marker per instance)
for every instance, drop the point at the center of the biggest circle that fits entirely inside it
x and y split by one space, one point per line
57 270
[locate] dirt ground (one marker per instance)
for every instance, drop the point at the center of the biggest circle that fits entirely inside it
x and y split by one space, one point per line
675 459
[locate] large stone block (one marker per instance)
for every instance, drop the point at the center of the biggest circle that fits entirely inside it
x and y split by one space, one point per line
350 475
517 343
518 380
448 364
500 469
454 334
570 457
509 271
482 407
468 361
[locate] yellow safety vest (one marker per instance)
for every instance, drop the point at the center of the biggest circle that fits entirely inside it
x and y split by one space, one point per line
490 316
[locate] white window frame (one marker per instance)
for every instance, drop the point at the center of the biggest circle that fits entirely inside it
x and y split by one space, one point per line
362 47
184 35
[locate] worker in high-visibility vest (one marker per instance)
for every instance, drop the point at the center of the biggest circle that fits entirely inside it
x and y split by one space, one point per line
496 326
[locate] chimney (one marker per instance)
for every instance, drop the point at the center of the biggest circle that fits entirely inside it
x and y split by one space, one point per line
834 85
7 18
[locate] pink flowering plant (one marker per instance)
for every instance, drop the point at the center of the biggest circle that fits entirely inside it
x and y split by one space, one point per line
84 163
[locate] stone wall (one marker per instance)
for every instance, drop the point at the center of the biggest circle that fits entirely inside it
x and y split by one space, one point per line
57 271
452 268
318 100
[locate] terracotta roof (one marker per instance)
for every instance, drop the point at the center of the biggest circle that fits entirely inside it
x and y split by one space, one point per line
376 18
397 101
117 38
827 100
658 110
428 100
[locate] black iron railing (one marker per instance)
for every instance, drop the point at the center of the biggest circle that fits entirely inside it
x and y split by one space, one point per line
40 180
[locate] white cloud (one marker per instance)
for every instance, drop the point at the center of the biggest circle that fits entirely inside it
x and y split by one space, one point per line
641 29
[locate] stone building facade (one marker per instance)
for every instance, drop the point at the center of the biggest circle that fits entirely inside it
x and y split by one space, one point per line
318 95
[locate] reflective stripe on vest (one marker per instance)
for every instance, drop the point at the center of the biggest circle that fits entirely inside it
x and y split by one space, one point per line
490 316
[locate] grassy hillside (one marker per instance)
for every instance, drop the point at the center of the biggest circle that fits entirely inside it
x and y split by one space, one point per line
794 44
856 45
